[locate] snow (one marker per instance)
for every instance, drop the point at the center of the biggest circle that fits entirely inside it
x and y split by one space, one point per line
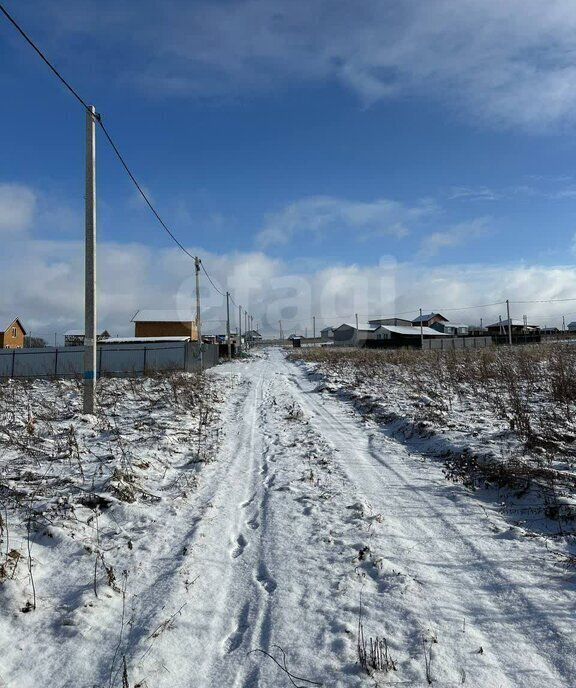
291 518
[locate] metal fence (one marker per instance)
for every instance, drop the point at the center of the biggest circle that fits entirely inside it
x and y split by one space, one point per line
451 343
113 359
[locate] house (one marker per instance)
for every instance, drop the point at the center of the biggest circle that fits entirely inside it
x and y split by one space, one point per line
391 321
327 334
518 327
428 319
253 336
164 323
13 333
405 335
76 337
450 328
349 335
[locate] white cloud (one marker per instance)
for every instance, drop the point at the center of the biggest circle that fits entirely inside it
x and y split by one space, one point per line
42 281
454 236
481 193
17 206
509 63
321 215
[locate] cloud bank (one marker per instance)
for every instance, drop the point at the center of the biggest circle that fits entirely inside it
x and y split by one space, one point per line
509 64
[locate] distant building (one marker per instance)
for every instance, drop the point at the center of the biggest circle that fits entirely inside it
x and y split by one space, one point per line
327 334
253 336
572 326
428 319
12 336
401 322
549 330
348 335
405 334
76 337
450 328
164 323
518 327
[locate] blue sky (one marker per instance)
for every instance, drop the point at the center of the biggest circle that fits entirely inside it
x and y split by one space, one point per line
304 141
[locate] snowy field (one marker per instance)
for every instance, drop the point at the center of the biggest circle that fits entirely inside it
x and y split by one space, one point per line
275 523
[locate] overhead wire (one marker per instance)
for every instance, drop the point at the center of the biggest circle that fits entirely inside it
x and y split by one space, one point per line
98 118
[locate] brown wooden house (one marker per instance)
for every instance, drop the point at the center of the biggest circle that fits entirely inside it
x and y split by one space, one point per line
12 336
164 323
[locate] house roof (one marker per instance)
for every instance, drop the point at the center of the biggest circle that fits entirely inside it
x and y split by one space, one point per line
162 315
515 323
136 340
426 316
362 327
448 323
6 319
326 328
411 331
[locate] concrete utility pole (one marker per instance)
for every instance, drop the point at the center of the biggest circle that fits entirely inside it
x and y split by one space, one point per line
563 323
198 323
280 325
356 315
314 329
90 371
509 323
228 326
421 331
239 329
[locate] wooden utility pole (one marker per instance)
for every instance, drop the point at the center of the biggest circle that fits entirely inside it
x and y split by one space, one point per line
509 323
239 329
356 315
90 371
228 326
280 325
314 329
421 331
246 329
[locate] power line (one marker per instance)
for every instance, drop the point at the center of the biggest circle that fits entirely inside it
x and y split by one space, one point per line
544 301
210 280
99 120
137 185
42 56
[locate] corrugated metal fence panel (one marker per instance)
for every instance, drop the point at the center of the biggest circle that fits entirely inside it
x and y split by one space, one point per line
117 359
451 343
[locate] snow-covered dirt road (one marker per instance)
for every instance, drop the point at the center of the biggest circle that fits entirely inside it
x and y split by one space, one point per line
310 520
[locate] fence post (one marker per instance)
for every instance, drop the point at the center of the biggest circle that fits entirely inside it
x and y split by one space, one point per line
99 360
144 362
56 363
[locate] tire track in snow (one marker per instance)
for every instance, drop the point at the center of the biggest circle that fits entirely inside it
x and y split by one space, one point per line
388 475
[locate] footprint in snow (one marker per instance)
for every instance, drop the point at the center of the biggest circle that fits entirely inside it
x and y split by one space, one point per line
265 579
241 543
234 640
